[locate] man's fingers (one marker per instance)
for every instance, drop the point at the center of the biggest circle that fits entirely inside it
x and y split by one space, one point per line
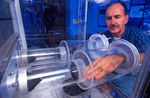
103 66
97 71
95 66
97 75
93 63
100 75
89 71
96 61
89 77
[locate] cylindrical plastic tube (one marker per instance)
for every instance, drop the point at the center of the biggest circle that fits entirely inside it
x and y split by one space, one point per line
132 56
44 56
96 41
120 47
56 76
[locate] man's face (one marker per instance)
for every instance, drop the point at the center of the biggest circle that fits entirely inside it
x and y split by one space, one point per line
116 19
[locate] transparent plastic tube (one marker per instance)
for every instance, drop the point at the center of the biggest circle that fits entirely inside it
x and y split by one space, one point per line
132 57
96 41
44 56
56 76
120 47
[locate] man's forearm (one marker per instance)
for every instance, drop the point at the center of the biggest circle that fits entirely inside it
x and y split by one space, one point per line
116 59
121 59
105 65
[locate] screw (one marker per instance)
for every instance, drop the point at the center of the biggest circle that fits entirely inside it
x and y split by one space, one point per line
13 85
12 73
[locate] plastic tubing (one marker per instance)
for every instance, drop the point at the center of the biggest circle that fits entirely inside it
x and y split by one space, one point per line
35 57
44 77
120 47
96 41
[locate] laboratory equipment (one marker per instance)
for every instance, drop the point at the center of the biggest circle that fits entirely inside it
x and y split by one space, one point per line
51 76
63 53
35 57
119 47
96 41
39 78
62 74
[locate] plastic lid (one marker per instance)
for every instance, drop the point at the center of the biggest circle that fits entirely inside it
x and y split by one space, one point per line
131 53
80 55
64 44
101 41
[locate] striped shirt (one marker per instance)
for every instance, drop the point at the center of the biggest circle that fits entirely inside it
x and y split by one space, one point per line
135 36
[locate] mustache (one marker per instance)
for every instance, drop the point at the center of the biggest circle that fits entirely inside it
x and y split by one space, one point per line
113 25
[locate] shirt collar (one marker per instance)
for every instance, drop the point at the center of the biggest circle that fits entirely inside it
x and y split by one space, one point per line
125 32
122 37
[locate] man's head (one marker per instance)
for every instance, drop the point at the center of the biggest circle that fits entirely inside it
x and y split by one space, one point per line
116 18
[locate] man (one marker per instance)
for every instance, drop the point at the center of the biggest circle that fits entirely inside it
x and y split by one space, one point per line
116 19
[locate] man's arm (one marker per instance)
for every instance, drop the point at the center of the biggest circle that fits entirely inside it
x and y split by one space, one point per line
105 65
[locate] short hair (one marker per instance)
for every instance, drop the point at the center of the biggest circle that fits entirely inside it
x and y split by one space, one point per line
123 5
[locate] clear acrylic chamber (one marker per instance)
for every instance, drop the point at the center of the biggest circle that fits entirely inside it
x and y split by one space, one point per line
53 67
62 74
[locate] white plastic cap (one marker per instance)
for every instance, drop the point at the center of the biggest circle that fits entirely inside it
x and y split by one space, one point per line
101 41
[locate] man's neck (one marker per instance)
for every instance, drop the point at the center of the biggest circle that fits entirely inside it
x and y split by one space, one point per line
119 34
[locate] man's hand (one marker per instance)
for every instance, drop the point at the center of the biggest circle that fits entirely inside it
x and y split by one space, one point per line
104 65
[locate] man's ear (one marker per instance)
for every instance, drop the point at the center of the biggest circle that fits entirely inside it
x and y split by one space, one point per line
126 19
